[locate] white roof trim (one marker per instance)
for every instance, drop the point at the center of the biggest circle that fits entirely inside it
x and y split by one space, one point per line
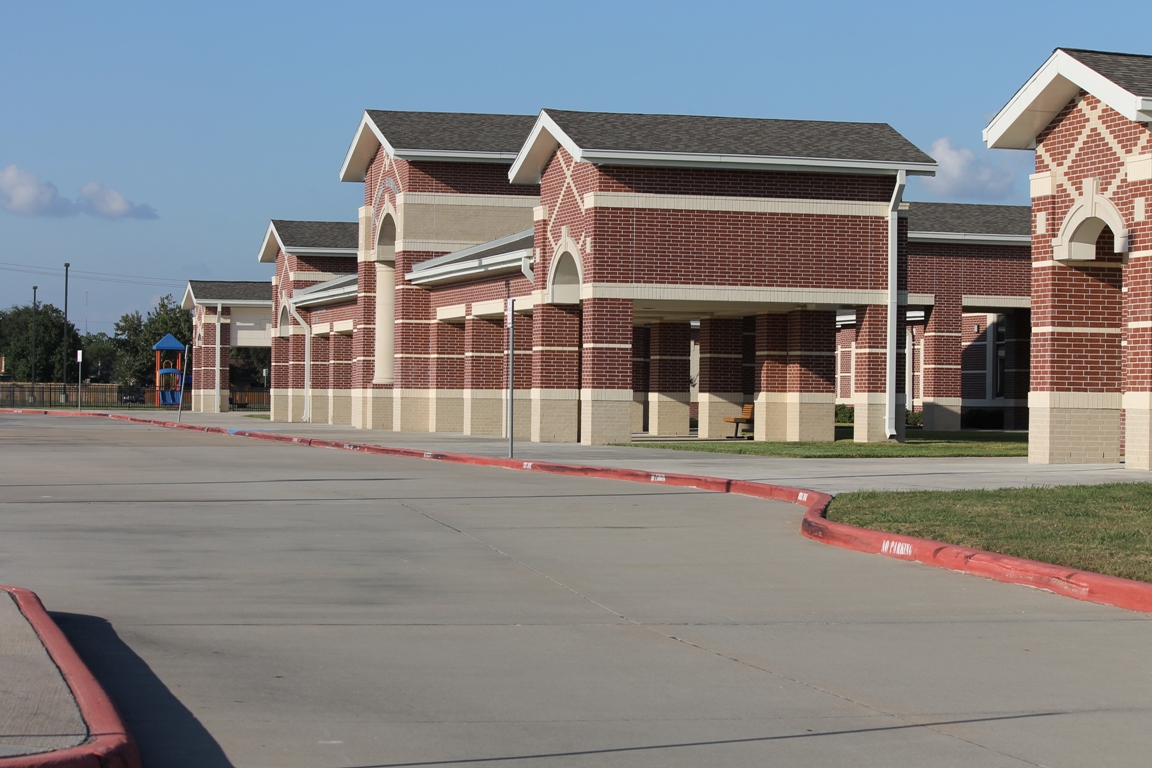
1032 108
465 253
971 238
334 291
546 136
460 270
271 247
189 301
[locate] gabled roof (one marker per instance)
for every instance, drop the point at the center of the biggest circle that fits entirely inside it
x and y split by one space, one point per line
459 137
975 224
232 292
718 142
315 238
1123 81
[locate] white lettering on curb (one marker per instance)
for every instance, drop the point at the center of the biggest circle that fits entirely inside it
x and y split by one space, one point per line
896 548
427 455
527 465
658 478
802 496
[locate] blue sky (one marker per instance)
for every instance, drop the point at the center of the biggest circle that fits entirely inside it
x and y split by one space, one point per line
156 139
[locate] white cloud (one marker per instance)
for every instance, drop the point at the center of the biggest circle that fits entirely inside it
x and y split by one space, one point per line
98 200
22 193
962 175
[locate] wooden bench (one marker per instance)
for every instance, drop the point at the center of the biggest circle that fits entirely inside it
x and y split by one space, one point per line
746 417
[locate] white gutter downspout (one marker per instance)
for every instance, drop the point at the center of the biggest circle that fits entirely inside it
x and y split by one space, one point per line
219 333
307 416
893 309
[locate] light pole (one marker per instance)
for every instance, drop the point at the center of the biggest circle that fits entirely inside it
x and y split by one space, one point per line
34 342
64 346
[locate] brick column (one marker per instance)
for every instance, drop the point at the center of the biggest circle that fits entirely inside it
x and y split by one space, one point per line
340 378
205 385
721 374
523 421
411 391
321 384
771 421
748 359
278 380
1017 347
668 378
811 404
555 374
371 394
606 372
483 356
1137 399
446 374
640 373
940 368
868 374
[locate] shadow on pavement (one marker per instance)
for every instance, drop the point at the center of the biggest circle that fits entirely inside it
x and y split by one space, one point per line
165 731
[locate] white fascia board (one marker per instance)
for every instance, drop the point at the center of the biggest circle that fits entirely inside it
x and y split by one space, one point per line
503 262
1032 108
753 162
545 138
364 144
971 238
235 302
189 299
320 251
466 253
271 247
453 156
333 296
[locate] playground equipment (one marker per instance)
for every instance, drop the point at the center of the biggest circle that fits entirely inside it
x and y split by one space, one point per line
169 379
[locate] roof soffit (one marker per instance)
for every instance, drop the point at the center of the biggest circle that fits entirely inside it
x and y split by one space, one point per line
1032 108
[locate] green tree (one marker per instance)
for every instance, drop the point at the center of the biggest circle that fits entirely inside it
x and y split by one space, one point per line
16 342
135 335
100 356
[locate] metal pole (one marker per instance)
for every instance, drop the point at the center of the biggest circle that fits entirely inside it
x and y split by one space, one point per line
512 378
64 346
79 381
34 342
180 408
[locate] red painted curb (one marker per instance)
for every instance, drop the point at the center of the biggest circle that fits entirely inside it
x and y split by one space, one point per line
108 745
1082 585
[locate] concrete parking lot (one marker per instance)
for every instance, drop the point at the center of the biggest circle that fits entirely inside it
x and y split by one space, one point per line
257 604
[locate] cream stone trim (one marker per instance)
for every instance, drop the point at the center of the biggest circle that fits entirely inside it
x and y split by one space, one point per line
1041 184
1041 222
1101 400
1138 167
1141 401
718 356
869 351
876 398
452 198
1073 329
607 346
453 312
606 394
1139 255
1138 209
1140 324
941 333
321 329
798 397
1090 206
949 367
1006 302
540 213
319 277
343 327
436 246
485 354
943 400
1094 264
497 307
556 394
416 322
555 349
275 280
759 295
733 204
772 353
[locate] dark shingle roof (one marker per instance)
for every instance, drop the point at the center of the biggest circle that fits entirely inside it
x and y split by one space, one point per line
317 234
971 219
453 131
738 136
1130 71
225 291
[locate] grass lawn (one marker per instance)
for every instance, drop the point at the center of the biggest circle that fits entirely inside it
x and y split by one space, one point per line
919 443
1101 528
264 416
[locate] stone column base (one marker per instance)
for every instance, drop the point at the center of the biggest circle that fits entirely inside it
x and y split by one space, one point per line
483 411
668 413
1137 430
320 408
295 410
204 401
1076 427
795 417
523 422
340 406
869 408
278 405
446 411
942 414
410 410
605 416
371 408
639 411
770 422
714 407
555 415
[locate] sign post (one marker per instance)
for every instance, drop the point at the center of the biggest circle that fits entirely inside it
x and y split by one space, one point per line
79 379
510 322
180 402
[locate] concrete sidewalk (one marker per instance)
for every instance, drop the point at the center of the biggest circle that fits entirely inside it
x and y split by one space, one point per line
38 713
827 475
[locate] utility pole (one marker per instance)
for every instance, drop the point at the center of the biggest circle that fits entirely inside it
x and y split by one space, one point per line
34 342
64 346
